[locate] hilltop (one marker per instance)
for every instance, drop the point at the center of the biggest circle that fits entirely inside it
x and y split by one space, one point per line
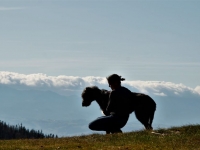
184 138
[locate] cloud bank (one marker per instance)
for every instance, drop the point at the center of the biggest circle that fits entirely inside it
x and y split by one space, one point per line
70 85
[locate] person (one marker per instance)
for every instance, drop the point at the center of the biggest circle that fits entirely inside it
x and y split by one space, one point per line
117 107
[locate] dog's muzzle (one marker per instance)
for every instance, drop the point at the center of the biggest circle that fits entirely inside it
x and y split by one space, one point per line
85 104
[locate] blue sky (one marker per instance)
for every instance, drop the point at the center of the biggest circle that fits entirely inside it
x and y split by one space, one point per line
141 40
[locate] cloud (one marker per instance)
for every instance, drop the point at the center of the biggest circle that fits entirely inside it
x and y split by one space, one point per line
162 88
69 85
65 85
197 89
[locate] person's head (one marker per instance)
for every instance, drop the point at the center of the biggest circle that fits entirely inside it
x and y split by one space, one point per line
114 81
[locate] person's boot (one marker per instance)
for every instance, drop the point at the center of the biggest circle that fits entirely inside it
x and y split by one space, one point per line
108 132
116 131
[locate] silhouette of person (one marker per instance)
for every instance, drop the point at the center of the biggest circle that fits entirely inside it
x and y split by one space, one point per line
118 108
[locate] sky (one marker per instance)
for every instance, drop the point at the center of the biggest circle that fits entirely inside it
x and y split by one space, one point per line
142 40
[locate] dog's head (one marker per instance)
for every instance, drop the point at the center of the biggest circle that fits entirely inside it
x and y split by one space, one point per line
88 95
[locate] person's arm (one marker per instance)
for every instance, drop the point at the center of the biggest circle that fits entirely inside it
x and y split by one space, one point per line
106 113
111 107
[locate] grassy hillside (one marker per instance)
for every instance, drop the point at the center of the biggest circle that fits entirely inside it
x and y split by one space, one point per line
177 138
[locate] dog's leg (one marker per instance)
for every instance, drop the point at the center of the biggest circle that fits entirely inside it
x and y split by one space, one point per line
144 118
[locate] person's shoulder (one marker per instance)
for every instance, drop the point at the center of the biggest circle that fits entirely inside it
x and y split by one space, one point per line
113 93
124 88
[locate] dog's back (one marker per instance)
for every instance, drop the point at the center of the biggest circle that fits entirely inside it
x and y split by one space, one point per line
142 101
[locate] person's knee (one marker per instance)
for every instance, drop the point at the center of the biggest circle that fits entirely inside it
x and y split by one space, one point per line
91 126
96 126
101 123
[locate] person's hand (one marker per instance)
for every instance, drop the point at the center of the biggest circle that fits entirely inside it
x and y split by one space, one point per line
106 113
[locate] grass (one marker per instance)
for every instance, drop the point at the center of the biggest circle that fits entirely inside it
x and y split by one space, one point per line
176 138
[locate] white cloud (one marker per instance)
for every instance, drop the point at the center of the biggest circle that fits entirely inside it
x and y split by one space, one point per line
197 89
61 84
68 85
161 88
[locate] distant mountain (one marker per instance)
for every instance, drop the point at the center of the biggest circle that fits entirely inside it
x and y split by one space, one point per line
64 115
44 110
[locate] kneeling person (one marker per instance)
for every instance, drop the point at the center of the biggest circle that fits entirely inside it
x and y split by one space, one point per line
118 108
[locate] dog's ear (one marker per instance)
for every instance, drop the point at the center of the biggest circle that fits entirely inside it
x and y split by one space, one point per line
88 88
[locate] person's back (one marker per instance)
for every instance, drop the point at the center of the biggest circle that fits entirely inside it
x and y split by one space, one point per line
119 101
